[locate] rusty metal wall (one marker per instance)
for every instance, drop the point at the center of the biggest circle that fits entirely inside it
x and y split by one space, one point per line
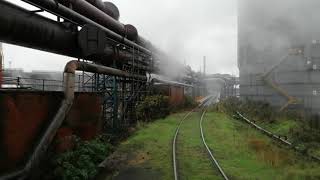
176 95
24 116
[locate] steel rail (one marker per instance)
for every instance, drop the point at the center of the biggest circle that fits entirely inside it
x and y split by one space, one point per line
174 142
175 169
276 137
213 159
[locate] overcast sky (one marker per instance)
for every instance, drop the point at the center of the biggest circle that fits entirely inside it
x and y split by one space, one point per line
186 29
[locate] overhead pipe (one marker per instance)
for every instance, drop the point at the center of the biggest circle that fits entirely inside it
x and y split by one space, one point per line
159 81
107 7
88 10
1 64
94 68
112 10
66 104
24 28
62 11
97 3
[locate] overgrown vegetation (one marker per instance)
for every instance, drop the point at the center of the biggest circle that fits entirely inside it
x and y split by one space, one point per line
153 107
158 106
81 162
245 153
147 151
189 102
292 124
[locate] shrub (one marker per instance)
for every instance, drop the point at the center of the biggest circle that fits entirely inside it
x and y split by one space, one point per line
189 102
257 110
82 161
153 107
306 136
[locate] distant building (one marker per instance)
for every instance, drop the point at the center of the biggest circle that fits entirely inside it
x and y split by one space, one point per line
278 55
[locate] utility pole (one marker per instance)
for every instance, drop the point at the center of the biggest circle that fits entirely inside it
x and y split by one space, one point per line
204 65
1 58
1 63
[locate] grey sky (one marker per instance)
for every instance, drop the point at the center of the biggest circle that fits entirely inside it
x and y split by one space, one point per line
186 29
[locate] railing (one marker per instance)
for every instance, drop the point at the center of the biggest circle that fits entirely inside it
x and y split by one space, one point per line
45 84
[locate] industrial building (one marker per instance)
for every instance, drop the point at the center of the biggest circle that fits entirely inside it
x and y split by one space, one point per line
279 53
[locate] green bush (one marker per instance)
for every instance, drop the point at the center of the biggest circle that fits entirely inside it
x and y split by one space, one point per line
189 102
256 110
153 107
306 136
81 162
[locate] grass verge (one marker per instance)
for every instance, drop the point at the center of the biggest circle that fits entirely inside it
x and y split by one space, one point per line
193 159
244 153
147 151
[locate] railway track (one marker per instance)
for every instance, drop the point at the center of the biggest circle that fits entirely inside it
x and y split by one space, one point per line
277 138
213 159
202 107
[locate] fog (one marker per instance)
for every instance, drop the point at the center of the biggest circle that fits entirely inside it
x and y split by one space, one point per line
186 30
268 28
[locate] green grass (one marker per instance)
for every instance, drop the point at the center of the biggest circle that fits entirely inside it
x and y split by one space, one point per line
281 126
154 139
245 153
193 160
284 126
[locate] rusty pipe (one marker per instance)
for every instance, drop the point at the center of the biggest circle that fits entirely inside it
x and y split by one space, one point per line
97 3
62 11
24 28
107 7
112 10
88 10
66 104
74 65
69 89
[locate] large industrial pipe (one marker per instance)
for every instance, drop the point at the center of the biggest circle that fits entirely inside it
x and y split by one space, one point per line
168 82
62 11
1 64
21 27
69 89
93 13
24 28
107 7
94 68
97 3
112 10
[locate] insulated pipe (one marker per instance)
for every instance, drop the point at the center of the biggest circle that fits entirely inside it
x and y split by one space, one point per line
112 10
24 28
21 27
97 3
88 10
66 13
1 64
66 104
94 68
107 7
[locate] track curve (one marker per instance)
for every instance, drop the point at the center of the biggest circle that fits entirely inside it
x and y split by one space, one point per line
203 105
213 159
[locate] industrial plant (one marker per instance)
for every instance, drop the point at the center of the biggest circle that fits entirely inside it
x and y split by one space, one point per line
125 107
278 52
